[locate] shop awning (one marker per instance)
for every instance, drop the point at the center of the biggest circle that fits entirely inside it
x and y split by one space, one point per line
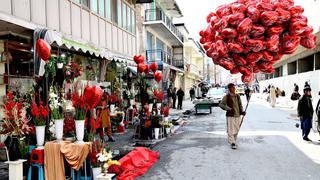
78 45
124 60
176 69
133 69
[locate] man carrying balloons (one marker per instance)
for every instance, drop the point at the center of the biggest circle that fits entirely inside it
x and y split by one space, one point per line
233 105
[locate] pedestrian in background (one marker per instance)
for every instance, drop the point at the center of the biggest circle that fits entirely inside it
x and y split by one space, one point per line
174 97
192 93
305 112
180 94
273 96
247 93
233 105
169 94
296 88
318 115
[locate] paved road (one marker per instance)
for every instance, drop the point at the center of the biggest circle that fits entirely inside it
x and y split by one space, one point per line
270 147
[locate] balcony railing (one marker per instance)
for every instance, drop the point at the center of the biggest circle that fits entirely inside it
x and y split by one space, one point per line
159 15
159 55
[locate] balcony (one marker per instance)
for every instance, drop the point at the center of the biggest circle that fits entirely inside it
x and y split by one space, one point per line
159 55
158 21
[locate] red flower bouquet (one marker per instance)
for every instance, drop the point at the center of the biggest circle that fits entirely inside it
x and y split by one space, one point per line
159 95
15 121
80 106
40 113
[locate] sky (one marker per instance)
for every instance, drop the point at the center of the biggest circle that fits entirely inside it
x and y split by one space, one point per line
195 12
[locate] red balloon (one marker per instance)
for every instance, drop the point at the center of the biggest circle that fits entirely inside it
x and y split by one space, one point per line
158 76
142 68
138 59
147 70
234 71
247 78
43 49
154 67
92 95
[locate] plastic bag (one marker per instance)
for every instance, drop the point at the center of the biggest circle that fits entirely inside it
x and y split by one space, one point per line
275 30
235 47
296 10
229 33
283 15
221 48
255 45
239 60
257 30
253 57
238 8
309 41
235 19
263 6
245 26
253 13
268 18
272 44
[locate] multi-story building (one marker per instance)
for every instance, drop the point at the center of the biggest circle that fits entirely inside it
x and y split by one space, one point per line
160 40
300 67
106 29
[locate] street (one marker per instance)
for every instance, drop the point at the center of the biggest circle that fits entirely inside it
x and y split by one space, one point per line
270 147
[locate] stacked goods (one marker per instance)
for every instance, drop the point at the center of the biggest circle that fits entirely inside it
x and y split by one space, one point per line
249 36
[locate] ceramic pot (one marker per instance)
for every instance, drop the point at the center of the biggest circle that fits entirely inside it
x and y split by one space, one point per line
14 149
96 171
79 130
156 133
59 129
59 65
40 133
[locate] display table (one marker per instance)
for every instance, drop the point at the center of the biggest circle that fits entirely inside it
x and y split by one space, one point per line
106 177
16 169
55 153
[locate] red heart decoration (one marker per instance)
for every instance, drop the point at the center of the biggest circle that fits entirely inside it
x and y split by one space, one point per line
43 49
139 59
147 69
141 67
154 67
158 76
92 95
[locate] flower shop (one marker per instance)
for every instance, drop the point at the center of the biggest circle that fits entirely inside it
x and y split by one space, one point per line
63 105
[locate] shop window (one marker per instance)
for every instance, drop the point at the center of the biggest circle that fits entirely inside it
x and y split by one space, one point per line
94 5
108 9
317 61
102 7
119 14
306 64
124 16
292 68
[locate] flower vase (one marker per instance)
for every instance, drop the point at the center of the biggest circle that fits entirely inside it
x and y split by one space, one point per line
166 119
159 105
96 171
168 131
156 133
59 65
59 129
40 133
14 149
105 167
79 130
131 102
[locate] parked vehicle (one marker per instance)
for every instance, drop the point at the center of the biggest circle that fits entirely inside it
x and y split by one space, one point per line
216 95
240 90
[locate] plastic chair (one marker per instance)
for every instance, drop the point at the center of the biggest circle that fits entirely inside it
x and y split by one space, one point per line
36 165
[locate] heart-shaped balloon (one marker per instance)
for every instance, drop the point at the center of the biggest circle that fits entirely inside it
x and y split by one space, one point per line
147 70
139 59
247 78
43 49
141 67
92 95
158 76
154 67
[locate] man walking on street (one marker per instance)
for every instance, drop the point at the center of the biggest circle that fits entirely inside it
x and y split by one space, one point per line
305 112
247 93
192 93
273 96
174 97
180 95
232 104
169 94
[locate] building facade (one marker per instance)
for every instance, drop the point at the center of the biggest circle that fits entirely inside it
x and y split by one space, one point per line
300 67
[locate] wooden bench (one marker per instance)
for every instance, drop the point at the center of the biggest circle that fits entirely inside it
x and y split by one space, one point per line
203 106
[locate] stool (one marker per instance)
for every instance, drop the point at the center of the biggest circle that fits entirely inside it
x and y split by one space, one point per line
36 160
78 175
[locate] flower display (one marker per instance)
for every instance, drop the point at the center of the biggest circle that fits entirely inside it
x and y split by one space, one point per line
104 156
159 95
56 104
15 121
40 113
78 102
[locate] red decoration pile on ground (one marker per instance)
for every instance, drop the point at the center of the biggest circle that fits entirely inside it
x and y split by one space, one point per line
137 162
249 36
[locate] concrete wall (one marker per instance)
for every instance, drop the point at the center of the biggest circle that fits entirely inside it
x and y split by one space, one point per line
72 19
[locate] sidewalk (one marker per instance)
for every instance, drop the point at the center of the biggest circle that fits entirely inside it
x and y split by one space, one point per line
281 102
186 105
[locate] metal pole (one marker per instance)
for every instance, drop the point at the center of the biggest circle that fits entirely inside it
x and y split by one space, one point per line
245 110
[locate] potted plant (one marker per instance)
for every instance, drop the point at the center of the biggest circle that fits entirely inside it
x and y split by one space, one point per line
156 121
96 166
14 124
40 114
78 102
159 95
57 112
103 157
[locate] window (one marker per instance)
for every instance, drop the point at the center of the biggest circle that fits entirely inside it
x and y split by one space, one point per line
292 68
85 3
114 11
133 21
108 9
119 20
317 61
278 72
102 7
77 1
124 16
94 5
129 19
306 64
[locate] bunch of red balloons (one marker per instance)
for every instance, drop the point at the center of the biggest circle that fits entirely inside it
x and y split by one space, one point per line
145 68
249 36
